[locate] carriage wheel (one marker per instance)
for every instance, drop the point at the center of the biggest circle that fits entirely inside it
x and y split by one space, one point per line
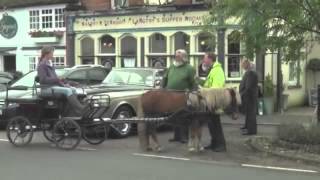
19 131
66 134
95 133
47 129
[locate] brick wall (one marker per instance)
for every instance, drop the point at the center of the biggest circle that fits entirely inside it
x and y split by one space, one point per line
136 2
96 5
183 2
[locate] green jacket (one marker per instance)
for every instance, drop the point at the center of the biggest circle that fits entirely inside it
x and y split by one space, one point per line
180 78
216 77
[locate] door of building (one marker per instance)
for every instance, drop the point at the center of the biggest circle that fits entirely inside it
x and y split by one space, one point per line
9 63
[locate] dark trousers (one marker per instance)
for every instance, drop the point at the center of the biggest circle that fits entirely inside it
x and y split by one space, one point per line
216 132
251 115
180 133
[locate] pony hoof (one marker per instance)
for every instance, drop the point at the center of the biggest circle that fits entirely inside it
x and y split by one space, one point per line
192 149
159 149
149 149
201 149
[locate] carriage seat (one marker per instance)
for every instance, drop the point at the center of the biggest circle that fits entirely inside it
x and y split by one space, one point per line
51 97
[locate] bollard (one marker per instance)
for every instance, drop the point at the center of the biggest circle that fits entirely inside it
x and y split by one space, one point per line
318 105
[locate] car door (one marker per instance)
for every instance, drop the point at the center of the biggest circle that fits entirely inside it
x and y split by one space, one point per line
79 76
96 75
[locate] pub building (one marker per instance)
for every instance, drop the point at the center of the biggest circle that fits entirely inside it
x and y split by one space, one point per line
138 35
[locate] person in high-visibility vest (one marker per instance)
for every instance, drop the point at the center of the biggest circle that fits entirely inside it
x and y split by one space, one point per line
215 79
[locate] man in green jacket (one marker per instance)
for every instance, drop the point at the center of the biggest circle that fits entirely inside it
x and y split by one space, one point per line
180 76
215 79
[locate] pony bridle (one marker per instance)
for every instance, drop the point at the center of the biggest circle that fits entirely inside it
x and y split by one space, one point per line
200 99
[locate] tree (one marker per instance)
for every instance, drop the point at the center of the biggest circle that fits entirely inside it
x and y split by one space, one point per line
270 25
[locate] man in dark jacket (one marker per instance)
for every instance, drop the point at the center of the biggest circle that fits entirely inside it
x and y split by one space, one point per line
249 96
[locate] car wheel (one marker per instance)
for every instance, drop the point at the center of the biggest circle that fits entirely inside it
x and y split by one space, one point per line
121 130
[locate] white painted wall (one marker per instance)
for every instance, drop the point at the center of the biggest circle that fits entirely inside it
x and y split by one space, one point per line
23 39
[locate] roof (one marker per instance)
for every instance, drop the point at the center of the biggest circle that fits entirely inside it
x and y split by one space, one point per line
26 3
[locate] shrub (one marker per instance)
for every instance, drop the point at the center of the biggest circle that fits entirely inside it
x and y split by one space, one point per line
297 133
268 87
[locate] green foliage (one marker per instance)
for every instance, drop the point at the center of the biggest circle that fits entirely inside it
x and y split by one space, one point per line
270 25
268 87
297 133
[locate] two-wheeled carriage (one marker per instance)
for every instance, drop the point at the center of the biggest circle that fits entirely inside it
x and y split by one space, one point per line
51 115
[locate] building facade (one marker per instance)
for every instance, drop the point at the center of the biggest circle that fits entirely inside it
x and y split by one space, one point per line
146 33
25 27
147 36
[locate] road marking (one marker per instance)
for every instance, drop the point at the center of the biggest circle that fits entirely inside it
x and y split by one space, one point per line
86 149
278 168
162 157
5 140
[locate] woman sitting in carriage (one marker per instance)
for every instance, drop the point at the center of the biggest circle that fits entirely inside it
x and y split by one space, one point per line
52 85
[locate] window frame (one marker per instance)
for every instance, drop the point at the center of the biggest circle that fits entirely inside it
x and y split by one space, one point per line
114 4
295 81
39 25
227 55
59 58
33 65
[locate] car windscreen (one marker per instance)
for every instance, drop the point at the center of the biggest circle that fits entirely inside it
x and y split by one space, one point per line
139 77
28 79
61 72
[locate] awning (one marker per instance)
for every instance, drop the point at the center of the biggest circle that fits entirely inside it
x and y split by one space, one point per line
7 50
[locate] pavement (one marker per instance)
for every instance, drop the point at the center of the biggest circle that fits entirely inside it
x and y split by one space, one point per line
303 114
122 159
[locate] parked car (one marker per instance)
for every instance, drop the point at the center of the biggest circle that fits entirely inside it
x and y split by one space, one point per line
85 76
5 79
124 86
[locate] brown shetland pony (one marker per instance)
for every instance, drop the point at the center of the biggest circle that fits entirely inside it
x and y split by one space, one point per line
160 102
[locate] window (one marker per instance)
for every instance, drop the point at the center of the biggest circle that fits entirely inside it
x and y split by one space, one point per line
59 61
107 45
34 20
59 18
128 51
46 19
116 4
233 69
181 41
294 73
158 51
158 43
206 42
158 2
87 50
33 61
